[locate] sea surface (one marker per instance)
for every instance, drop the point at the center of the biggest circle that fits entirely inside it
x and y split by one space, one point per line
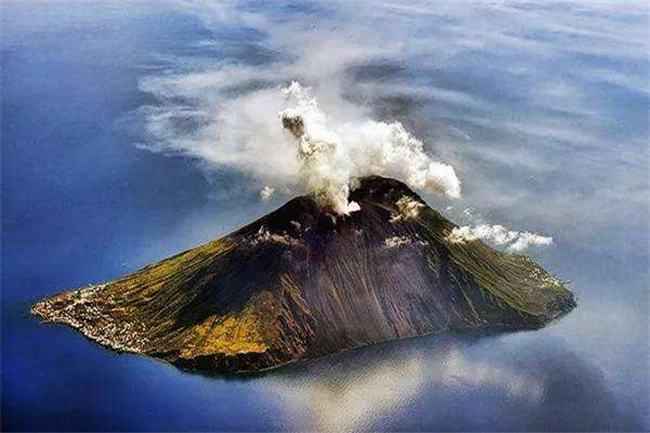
542 108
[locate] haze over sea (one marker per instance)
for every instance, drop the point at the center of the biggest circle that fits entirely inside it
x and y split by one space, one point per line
120 128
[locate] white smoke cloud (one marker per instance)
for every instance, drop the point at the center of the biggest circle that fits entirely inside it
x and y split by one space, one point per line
264 235
326 165
525 239
407 208
497 234
397 241
332 155
266 193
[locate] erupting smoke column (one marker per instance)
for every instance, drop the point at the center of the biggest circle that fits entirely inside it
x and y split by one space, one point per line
326 167
332 156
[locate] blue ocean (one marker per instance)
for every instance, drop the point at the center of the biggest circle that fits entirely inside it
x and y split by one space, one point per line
132 130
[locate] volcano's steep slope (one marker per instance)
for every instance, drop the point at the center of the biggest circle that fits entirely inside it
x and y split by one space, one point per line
300 283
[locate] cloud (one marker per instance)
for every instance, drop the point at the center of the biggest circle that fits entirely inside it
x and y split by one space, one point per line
498 235
341 396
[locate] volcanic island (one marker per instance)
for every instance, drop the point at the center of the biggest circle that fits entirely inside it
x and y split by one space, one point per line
303 282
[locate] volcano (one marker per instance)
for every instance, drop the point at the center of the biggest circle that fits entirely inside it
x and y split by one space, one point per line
302 282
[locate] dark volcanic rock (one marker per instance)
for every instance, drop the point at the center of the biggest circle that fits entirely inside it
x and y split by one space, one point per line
301 283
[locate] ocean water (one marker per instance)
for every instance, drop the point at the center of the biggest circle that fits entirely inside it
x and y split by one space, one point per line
542 108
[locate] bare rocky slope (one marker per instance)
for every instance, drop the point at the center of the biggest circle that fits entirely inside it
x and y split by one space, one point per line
301 283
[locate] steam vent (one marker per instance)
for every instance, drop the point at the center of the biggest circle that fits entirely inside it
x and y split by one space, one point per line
300 283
